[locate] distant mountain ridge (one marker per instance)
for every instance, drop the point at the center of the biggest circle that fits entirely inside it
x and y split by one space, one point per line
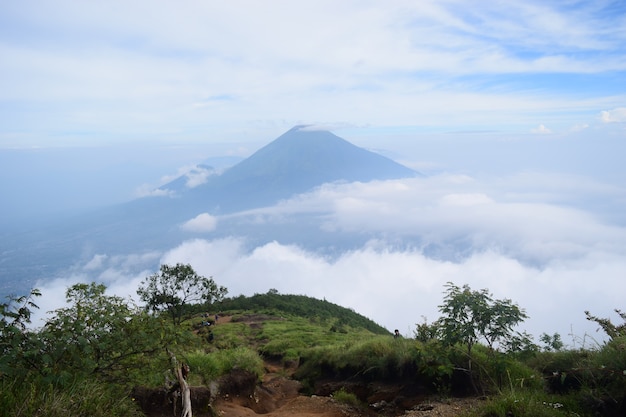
294 163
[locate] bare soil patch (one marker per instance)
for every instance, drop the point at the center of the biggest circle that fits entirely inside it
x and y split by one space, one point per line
240 394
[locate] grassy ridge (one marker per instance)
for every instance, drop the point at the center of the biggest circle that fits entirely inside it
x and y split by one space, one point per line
303 306
324 340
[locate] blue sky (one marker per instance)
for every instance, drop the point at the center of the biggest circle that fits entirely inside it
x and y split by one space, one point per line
515 110
97 72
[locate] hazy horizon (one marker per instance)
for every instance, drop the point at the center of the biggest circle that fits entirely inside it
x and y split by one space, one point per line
552 241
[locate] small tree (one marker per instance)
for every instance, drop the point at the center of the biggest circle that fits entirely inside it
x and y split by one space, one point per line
96 335
424 331
173 288
469 316
552 343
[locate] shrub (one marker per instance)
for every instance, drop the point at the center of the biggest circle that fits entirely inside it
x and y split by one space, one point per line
346 397
497 372
604 377
380 357
434 365
210 366
206 366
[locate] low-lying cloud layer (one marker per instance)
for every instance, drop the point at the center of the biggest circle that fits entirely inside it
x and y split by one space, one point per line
548 242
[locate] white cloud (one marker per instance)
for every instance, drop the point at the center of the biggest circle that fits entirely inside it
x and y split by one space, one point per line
397 288
193 175
198 176
202 223
147 191
96 262
541 129
121 274
470 199
579 127
529 237
526 237
529 216
617 115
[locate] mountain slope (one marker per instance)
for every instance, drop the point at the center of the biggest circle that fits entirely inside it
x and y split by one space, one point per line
295 162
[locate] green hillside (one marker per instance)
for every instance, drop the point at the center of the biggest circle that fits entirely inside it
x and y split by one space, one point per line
303 306
104 356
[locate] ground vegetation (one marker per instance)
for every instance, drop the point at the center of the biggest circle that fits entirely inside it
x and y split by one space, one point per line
280 355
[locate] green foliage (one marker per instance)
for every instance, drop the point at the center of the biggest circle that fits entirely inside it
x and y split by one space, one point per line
612 330
297 334
16 312
435 364
97 335
469 316
551 342
302 306
174 288
232 335
241 358
596 377
346 397
605 373
379 357
88 354
19 348
81 398
500 372
425 332
206 366
210 366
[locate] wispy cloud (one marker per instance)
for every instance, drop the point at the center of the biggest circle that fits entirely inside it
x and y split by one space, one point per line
76 67
198 176
202 223
541 129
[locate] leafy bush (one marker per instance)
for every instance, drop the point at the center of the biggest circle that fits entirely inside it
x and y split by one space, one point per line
346 397
206 366
497 372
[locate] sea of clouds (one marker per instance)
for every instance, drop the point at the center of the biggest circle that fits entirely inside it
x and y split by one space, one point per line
547 241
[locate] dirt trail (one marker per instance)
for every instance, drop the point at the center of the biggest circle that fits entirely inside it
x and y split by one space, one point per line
304 406
278 395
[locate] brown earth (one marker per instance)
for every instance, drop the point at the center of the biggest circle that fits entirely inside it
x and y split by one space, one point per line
239 394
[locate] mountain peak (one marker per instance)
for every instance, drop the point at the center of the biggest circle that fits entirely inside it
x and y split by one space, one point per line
297 161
